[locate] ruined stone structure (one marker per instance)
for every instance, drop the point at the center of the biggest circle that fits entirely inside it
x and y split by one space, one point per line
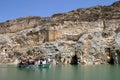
52 34
93 34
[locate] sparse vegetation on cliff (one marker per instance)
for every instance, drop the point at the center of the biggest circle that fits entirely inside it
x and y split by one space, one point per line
85 32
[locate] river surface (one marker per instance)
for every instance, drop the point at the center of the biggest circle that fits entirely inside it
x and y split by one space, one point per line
62 72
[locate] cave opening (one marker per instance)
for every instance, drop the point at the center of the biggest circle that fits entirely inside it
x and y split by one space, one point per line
74 59
111 61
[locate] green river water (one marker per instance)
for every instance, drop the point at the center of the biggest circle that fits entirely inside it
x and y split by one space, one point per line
62 72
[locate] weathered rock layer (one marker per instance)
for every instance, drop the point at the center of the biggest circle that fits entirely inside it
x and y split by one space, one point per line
93 34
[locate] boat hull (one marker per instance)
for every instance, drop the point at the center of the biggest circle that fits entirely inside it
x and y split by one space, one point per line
44 66
34 66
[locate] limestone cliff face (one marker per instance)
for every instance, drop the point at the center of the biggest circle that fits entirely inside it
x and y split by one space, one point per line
93 34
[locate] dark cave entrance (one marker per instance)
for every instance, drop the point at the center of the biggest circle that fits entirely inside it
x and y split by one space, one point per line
111 61
74 59
114 55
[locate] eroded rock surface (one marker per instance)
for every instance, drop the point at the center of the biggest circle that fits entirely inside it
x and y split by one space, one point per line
93 34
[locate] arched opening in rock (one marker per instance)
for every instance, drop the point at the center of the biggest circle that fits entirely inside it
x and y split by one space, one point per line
74 59
111 61
114 57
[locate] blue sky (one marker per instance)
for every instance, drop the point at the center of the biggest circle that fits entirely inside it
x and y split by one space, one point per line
12 9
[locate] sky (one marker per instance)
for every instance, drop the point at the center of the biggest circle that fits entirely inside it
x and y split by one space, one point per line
12 9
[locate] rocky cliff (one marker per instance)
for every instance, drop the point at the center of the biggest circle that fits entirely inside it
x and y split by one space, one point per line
93 34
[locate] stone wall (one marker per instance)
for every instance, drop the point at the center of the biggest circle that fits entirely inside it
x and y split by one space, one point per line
86 33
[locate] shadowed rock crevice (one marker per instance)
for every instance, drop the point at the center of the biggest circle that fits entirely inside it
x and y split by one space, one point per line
87 31
74 59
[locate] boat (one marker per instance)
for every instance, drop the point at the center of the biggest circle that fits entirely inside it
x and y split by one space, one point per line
44 65
33 65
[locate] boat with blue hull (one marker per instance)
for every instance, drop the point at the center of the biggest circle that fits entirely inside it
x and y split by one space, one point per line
37 63
34 66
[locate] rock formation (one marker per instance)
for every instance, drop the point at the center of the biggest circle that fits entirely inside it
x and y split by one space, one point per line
93 34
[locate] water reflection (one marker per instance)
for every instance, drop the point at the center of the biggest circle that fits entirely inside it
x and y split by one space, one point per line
62 72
